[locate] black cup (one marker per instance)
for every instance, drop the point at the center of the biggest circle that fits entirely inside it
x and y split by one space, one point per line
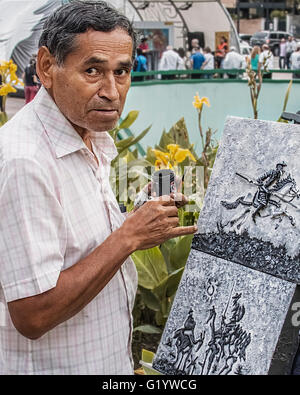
163 182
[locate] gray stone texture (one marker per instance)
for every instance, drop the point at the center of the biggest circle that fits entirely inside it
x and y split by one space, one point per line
252 148
210 281
232 311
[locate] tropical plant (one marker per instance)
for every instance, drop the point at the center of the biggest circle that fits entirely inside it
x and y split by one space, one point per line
160 268
8 81
286 98
209 147
255 84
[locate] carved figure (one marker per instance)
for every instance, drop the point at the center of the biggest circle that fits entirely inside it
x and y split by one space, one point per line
267 195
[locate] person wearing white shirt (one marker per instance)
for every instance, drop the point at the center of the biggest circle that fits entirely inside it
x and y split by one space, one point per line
209 63
233 60
295 61
291 46
266 61
170 60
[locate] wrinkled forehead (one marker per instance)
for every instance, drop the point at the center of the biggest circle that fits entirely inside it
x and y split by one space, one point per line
116 41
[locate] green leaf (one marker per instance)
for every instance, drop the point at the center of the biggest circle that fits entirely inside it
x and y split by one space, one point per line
125 144
151 329
179 134
151 267
129 119
180 253
168 286
3 118
147 356
286 98
149 299
166 249
164 141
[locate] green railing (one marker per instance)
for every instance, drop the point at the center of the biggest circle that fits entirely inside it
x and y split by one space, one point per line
186 76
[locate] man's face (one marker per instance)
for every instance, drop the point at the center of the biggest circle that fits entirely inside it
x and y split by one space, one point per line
90 88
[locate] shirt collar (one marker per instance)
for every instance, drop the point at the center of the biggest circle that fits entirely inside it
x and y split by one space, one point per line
62 134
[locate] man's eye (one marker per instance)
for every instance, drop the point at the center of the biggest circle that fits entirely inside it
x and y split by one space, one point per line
122 72
92 71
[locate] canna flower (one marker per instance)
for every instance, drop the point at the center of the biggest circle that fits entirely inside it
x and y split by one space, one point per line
198 103
5 89
9 77
169 160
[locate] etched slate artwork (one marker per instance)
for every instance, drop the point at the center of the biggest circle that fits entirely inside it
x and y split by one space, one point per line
231 313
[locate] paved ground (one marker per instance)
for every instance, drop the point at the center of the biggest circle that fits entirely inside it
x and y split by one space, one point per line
14 104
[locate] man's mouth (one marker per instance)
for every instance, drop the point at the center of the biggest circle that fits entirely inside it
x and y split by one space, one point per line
106 110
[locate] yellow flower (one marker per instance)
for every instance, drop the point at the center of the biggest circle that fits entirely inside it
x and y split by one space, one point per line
5 89
178 154
173 148
164 157
198 103
181 154
169 160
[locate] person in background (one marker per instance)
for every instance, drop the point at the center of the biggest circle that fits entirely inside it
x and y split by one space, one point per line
30 80
170 60
181 53
295 61
144 45
140 64
209 62
254 58
282 54
233 60
291 45
197 60
141 61
221 51
266 61
194 45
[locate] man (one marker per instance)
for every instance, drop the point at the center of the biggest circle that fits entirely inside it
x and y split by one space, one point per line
266 61
170 60
197 60
295 61
67 282
209 63
290 48
282 53
233 60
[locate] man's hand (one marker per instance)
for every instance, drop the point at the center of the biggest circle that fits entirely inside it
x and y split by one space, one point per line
153 223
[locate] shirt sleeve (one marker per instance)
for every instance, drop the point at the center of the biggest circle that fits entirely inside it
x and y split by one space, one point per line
32 230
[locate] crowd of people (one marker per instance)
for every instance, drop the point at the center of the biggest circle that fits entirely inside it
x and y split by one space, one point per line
224 57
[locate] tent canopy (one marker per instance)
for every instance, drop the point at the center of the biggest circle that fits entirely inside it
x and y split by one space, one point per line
21 22
208 17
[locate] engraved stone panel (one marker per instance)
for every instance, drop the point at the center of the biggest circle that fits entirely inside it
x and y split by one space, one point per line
231 314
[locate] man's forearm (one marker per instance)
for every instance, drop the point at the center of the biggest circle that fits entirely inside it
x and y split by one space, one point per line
75 288
152 224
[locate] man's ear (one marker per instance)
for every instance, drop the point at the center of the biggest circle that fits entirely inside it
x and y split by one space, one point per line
44 66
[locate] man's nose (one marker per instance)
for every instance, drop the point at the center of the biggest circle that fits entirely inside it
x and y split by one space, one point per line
109 88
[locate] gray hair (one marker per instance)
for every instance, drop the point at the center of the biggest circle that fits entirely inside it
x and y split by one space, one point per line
65 23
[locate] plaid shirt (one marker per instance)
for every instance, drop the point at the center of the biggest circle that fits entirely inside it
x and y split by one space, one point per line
56 207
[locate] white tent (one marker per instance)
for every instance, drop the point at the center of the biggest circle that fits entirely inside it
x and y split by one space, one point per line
21 22
209 17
